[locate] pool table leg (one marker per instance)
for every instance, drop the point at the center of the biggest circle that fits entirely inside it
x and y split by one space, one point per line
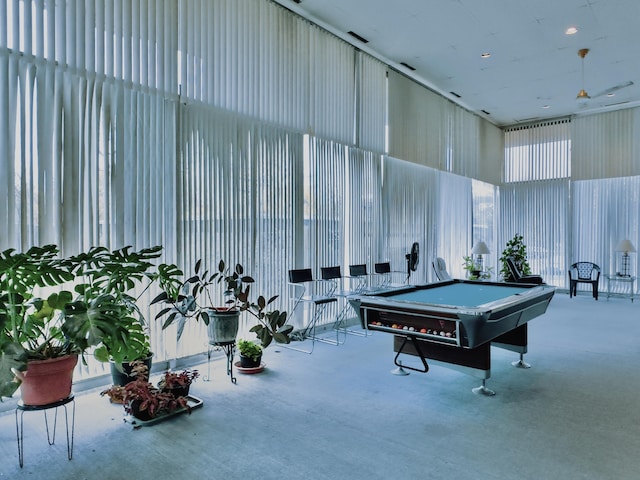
483 390
521 363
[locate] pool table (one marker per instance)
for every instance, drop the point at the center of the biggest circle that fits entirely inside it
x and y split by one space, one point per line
454 323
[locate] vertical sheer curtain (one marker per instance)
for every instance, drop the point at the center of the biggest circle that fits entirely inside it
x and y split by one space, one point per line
87 127
485 222
256 58
364 209
410 214
237 201
371 98
605 191
538 152
605 212
454 223
326 200
540 212
535 201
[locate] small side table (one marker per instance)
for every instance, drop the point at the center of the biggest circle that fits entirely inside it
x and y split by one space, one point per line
622 279
51 438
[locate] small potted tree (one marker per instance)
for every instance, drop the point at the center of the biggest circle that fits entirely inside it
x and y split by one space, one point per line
517 250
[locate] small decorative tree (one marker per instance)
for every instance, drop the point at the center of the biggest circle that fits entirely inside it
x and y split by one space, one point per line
517 250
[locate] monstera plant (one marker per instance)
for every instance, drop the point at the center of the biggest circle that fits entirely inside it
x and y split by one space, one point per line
53 307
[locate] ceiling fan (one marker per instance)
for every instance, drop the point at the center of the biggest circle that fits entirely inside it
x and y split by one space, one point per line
583 97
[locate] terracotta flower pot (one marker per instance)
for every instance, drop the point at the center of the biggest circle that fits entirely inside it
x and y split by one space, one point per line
47 381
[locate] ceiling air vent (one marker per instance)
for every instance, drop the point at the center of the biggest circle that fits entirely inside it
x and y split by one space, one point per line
358 37
455 94
406 65
485 112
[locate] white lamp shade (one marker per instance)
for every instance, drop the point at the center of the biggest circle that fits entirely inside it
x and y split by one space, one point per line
481 248
625 246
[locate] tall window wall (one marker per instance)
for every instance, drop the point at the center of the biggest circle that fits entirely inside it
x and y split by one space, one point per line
221 129
535 199
572 191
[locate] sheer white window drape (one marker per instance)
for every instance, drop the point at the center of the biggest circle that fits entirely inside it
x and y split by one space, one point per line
605 212
410 214
454 225
540 212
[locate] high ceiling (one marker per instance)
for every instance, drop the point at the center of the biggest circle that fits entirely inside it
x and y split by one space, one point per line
534 71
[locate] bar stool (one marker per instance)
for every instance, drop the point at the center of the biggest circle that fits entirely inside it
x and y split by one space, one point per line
21 407
343 291
390 278
317 295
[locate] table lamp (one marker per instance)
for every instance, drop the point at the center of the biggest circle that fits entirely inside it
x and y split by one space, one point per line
625 246
480 249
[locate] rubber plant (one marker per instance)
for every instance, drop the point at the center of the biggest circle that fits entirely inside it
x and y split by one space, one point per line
191 299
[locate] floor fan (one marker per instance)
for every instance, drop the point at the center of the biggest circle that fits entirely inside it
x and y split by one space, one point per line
412 264
412 259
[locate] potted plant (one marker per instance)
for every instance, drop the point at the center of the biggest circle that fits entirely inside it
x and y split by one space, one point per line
42 325
118 274
178 383
474 269
144 401
53 308
517 250
250 354
184 301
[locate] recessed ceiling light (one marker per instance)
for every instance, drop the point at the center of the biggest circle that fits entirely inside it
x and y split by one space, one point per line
485 55
571 31
547 106
611 94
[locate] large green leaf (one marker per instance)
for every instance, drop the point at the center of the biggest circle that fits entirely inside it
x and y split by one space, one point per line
12 356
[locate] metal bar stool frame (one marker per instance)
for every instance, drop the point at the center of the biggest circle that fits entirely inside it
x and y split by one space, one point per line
334 273
303 289
383 269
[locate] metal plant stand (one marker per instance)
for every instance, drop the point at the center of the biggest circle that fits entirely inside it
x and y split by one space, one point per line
229 350
51 436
